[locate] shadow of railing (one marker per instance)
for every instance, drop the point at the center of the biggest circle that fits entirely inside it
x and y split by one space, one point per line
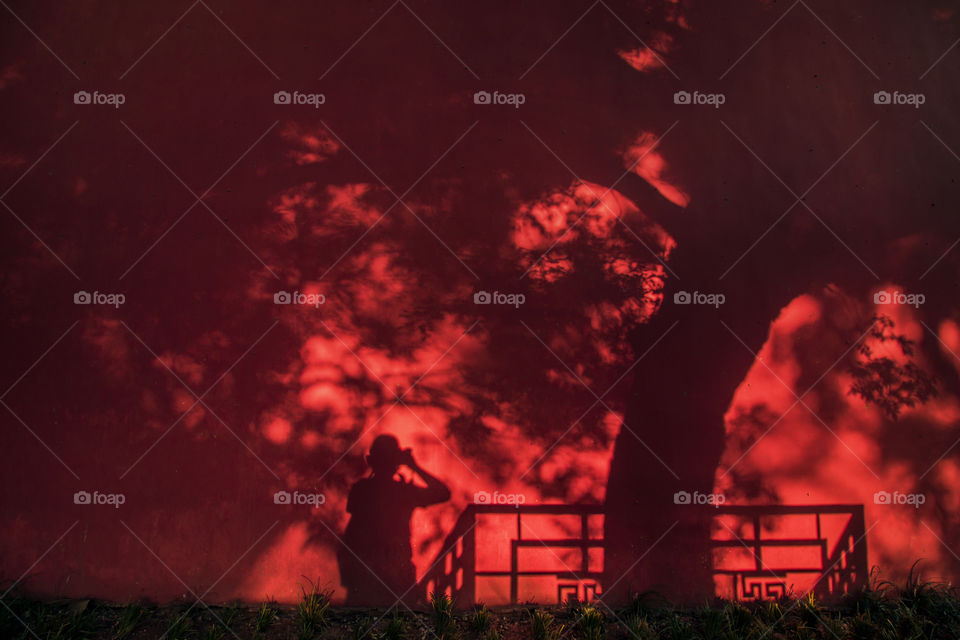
828 559
834 570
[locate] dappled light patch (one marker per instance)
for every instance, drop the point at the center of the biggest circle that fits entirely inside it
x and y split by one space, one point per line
278 430
773 436
436 270
647 58
309 144
643 158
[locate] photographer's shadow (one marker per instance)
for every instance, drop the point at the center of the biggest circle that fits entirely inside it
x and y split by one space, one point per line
375 559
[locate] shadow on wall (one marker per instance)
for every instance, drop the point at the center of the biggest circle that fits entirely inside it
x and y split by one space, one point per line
376 564
208 390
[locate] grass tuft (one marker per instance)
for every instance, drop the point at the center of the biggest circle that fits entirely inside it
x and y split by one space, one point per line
214 632
590 623
362 628
444 624
480 619
180 629
312 607
127 622
266 614
396 627
543 626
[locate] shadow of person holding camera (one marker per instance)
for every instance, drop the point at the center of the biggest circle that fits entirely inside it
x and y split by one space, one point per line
376 565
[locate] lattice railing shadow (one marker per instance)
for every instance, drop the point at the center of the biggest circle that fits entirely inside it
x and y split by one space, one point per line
838 569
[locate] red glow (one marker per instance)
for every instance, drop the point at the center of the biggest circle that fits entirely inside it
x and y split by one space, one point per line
402 198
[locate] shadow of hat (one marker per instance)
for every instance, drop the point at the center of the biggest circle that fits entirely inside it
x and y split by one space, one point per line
385 451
